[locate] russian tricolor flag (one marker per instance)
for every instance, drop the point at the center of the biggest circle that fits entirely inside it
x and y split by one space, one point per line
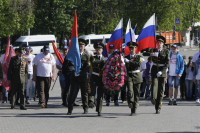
116 38
129 37
74 54
147 37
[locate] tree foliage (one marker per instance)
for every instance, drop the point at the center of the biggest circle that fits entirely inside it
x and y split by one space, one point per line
15 17
94 16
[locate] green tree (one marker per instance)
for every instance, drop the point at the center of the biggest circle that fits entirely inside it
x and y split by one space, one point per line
53 17
16 17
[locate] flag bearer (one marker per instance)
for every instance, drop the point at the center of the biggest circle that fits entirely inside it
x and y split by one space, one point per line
80 80
160 59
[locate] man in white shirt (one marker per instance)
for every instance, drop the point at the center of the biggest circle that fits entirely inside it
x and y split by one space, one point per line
43 74
29 86
64 81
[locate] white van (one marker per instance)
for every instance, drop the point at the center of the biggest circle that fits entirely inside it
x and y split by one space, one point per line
36 42
92 38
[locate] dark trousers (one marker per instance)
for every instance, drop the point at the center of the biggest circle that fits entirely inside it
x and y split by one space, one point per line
96 83
65 89
124 92
83 83
182 88
133 93
43 84
4 93
17 89
115 96
157 88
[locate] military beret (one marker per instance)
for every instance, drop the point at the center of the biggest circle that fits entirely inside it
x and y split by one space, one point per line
161 38
132 44
98 45
82 42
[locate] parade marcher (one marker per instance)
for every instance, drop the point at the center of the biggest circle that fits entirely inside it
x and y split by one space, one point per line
160 59
64 83
30 85
43 73
133 62
116 95
97 63
176 68
80 80
17 76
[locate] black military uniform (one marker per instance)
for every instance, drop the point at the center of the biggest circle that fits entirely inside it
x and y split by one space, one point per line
134 78
97 63
160 61
18 75
80 81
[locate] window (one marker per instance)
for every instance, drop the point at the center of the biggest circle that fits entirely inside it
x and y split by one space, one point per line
40 43
20 44
93 41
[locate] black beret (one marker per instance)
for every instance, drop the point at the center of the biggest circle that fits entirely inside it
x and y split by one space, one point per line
132 44
98 45
161 38
82 42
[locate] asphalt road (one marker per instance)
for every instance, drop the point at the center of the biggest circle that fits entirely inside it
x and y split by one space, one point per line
185 117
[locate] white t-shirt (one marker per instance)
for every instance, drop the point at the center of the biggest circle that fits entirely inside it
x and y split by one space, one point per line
2 57
30 59
58 62
195 57
44 64
198 74
172 66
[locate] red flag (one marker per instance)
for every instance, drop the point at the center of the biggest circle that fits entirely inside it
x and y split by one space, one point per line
58 55
8 54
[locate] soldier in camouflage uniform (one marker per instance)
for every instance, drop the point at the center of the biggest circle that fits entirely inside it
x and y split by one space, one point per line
80 80
160 59
97 63
133 62
18 75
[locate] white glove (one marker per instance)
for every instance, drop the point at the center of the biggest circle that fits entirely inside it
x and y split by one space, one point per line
126 60
159 73
77 74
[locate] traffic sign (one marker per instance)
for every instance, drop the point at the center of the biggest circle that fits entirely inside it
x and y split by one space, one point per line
177 21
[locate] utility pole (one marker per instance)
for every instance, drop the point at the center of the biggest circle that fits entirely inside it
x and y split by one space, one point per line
174 30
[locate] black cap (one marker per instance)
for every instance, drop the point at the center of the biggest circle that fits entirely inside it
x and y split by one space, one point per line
98 45
46 49
132 44
161 38
28 48
174 45
82 42
65 47
111 46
